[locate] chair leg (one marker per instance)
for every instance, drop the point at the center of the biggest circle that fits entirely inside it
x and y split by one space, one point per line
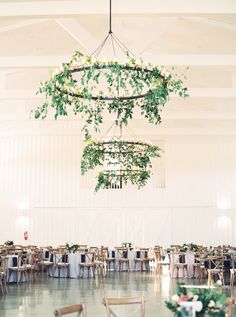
18 276
231 279
9 276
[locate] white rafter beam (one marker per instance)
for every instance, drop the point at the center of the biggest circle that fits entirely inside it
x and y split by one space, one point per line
163 25
79 33
32 61
193 92
213 22
20 24
160 59
72 8
191 59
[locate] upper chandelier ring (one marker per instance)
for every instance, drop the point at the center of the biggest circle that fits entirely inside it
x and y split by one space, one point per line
107 67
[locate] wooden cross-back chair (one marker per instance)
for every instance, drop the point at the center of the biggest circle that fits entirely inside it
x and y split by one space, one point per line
78 308
100 265
108 302
3 274
19 267
215 268
123 258
142 259
61 262
232 270
178 264
159 257
87 264
46 260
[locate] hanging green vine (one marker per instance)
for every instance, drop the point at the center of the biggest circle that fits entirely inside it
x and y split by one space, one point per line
90 87
120 160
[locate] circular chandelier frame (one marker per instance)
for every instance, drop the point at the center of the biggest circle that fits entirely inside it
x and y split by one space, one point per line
121 160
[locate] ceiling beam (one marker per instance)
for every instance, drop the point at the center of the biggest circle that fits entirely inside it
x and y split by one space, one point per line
162 26
191 59
212 22
160 59
79 33
72 8
193 92
20 24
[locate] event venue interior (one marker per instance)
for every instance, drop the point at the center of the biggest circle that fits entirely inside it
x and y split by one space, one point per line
117 158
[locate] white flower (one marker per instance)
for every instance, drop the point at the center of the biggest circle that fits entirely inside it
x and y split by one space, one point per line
211 303
195 298
175 298
219 282
190 295
166 74
198 306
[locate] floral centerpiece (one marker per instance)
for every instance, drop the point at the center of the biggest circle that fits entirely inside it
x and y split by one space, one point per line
189 247
127 245
209 302
9 243
72 248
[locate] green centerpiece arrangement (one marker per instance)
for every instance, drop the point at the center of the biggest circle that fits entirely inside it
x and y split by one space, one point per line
9 243
205 301
72 248
189 247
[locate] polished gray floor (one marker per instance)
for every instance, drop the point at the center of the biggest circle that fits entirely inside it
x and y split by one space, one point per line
40 298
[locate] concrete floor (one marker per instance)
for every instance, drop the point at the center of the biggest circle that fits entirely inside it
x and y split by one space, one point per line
40 298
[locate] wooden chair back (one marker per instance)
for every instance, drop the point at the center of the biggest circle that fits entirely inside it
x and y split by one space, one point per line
122 252
107 302
78 308
216 262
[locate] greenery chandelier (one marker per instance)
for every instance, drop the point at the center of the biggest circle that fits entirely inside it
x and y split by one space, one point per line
122 161
92 87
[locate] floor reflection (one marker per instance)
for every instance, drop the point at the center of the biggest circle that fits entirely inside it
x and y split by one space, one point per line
41 297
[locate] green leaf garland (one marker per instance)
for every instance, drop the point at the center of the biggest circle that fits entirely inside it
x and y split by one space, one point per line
91 87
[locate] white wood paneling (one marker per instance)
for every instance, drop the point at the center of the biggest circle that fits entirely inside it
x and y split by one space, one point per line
41 181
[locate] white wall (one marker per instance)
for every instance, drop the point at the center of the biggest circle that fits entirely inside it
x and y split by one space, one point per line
41 191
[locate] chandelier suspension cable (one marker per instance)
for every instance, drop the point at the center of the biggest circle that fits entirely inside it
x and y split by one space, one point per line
133 137
114 40
108 130
110 22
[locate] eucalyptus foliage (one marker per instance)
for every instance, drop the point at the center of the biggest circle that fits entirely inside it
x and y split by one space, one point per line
120 160
72 248
9 243
91 87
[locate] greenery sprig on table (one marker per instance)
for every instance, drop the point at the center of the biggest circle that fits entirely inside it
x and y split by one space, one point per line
209 302
9 243
72 248
189 247
131 161
89 86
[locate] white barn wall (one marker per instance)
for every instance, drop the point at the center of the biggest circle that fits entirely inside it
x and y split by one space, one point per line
41 182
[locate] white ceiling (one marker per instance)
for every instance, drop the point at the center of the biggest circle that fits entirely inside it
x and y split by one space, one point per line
36 36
